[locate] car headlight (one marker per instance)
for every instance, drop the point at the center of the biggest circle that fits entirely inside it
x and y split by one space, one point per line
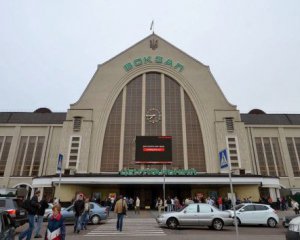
294 227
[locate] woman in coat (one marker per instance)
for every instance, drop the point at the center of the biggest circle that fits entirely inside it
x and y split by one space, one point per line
56 227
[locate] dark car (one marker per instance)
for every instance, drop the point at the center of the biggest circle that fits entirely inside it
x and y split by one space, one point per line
12 206
7 226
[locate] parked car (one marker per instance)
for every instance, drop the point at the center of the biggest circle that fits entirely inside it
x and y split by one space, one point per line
196 214
286 220
255 214
7 226
293 232
12 206
96 214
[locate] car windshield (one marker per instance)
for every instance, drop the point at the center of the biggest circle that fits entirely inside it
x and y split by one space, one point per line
237 207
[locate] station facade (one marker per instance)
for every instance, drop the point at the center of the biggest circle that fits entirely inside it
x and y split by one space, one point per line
151 89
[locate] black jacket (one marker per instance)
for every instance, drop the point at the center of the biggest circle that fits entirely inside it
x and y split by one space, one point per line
44 204
78 207
34 205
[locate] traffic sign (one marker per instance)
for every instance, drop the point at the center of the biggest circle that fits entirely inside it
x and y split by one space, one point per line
223 159
59 163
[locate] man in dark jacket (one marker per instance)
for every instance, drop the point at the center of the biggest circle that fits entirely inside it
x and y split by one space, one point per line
32 211
78 209
40 215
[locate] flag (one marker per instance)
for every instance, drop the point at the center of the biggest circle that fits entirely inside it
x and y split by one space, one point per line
152 23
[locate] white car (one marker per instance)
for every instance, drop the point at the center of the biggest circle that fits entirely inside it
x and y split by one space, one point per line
294 229
196 214
255 214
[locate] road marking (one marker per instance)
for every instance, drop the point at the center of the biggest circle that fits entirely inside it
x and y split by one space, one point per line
131 227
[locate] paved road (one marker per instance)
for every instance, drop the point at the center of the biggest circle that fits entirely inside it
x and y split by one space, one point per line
143 226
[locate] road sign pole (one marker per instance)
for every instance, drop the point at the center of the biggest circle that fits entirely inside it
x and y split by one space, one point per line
233 204
59 168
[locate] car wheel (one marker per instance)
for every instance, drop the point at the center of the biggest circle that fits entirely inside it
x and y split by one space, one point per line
272 222
217 224
172 223
95 219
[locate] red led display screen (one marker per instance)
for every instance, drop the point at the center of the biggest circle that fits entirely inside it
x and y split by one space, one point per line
153 149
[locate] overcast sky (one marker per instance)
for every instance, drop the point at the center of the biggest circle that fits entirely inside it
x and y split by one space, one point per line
49 50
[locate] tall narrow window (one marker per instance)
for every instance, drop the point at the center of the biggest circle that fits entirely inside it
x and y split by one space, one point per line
74 152
269 156
233 152
5 143
229 124
77 124
29 156
294 155
278 157
261 156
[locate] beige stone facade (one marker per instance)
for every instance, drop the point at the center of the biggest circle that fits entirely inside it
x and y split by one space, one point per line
264 153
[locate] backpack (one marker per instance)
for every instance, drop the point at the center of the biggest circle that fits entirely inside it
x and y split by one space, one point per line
26 204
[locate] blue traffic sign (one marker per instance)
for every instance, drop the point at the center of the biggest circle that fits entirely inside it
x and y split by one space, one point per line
223 159
59 163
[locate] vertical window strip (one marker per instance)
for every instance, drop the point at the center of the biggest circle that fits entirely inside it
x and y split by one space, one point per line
229 124
232 147
133 119
37 156
77 124
293 156
5 143
74 149
269 156
20 156
261 156
195 146
111 143
278 157
28 157
174 121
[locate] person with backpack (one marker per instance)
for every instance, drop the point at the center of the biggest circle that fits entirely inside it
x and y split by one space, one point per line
32 207
40 215
79 209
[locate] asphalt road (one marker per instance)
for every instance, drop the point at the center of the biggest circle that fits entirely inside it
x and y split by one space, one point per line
145 227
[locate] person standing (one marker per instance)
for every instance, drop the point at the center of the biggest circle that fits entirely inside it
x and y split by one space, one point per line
56 229
137 205
85 215
79 209
32 211
220 203
40 215
120 210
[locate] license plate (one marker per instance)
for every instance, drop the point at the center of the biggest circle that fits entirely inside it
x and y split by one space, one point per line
22 213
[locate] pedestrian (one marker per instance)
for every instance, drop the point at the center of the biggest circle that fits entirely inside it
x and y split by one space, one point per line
79 209
56 229
120 210
32 211
295 206
220 203
85 215
159 205
137 205
40 216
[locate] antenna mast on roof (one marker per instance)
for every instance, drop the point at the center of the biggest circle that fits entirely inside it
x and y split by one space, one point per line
152 26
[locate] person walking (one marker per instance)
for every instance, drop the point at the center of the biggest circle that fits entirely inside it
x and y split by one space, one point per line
40 215
79 209
56 228
32 211
85 215
120 210
137 205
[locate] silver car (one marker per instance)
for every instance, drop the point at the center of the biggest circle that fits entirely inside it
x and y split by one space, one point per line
196 214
